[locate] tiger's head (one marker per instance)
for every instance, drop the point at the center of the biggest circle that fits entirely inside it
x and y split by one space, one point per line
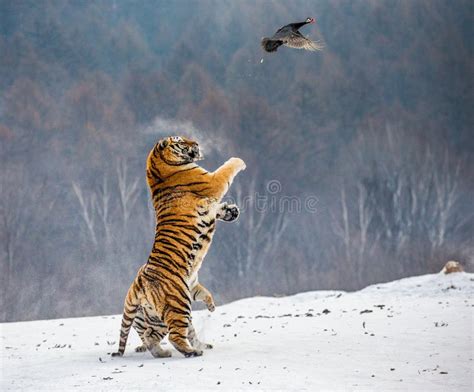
177 150
168 156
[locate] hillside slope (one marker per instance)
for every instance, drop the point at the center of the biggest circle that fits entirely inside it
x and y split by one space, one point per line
412 334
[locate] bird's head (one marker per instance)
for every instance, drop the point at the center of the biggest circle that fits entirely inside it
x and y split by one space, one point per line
310 20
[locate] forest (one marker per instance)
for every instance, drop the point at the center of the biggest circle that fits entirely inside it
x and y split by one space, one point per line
362 153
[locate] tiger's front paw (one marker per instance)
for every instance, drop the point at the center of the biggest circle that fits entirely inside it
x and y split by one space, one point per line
239 163
211 306
231 213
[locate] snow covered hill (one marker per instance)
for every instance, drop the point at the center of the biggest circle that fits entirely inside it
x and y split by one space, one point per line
413 334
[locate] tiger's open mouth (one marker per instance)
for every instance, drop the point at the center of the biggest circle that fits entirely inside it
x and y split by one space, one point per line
195 153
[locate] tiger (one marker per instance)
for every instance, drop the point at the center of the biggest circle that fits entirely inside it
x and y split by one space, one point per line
187 202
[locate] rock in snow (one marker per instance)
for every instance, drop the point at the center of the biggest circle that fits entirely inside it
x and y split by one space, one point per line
412 334
451 267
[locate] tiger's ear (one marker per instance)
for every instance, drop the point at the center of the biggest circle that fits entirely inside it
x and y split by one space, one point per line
163 144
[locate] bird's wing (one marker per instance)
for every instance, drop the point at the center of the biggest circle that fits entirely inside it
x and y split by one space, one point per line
283 33
299 41
284 28
292 27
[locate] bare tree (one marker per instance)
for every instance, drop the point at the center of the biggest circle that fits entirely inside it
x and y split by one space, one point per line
103 206
87 205
97 209
340 225
446 182
352 224
128 190
406 209
260 230
19 222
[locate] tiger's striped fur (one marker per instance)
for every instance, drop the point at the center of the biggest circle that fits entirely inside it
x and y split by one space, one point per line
186 199
149 326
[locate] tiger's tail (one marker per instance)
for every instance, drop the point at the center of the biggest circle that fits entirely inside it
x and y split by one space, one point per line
270 45
129 313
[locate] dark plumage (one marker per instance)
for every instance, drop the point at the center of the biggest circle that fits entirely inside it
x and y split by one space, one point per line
290 36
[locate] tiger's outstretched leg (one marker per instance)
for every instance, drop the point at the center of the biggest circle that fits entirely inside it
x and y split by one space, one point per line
178 325
129 312
200 293
223 177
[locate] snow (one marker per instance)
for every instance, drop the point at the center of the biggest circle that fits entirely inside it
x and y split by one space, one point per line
412 334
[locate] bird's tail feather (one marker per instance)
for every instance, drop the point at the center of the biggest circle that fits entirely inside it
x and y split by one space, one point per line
270 45
316 45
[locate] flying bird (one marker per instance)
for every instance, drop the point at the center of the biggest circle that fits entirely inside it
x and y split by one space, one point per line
290 36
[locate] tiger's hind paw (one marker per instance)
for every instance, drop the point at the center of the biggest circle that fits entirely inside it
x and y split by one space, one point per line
140 349
202 346
158 352
117 354
195 353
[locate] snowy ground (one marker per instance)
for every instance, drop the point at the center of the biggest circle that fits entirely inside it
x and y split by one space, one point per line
413 334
